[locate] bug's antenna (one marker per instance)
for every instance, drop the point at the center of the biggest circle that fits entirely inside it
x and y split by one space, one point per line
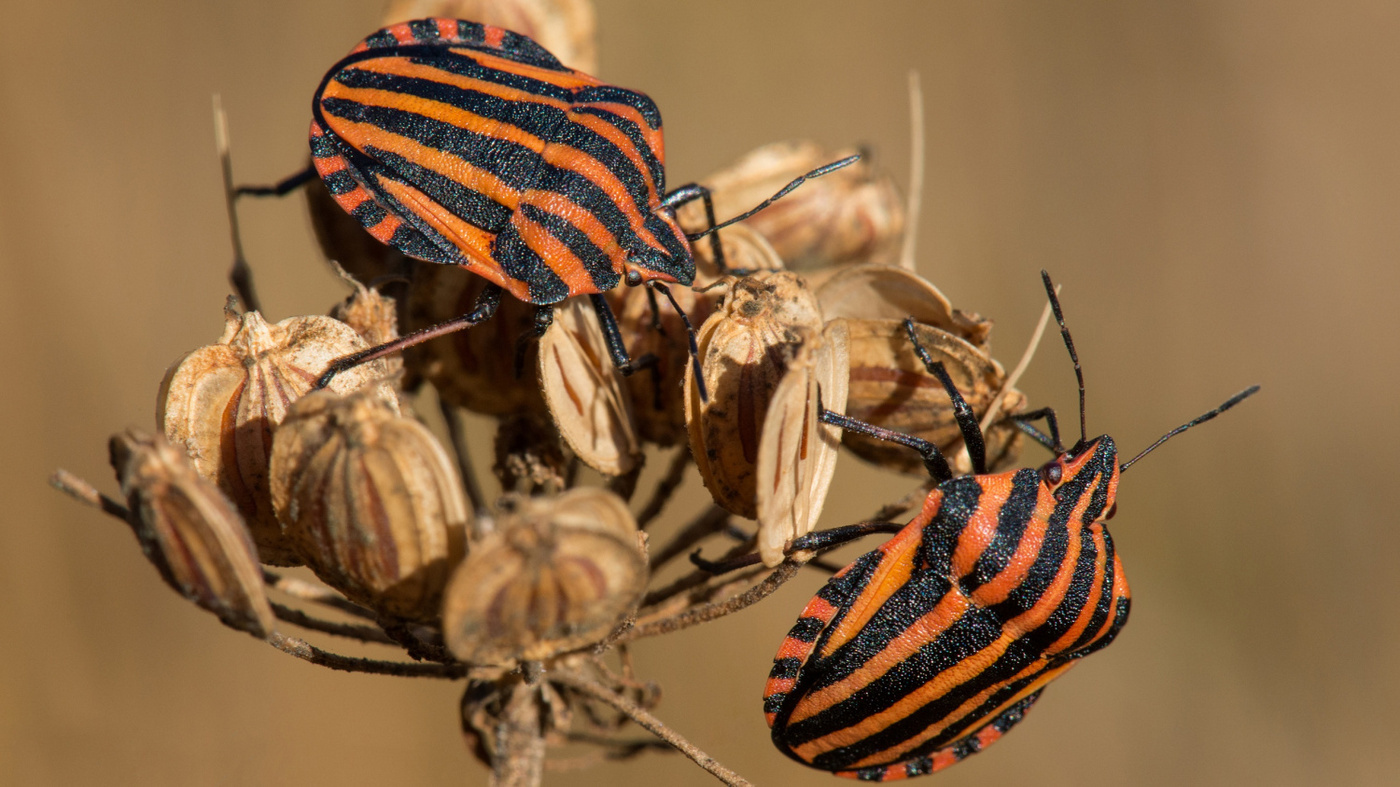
1231 402
816 173
690 334
1073 356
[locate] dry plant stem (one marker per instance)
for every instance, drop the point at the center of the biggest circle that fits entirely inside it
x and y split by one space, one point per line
310 591
675 474
995 409
707 524
916 171
356 631
470 484
404 636
693 617
693 579
86 493
240 275
901 506
651 724
519 757
308 652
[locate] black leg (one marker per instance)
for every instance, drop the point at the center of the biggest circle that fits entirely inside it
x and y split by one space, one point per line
485 306
1051 441
613 337
690 335
544 317
689 193
934 463
962 412
280 188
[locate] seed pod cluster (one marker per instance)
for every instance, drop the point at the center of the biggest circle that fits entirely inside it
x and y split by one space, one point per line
222 403
851 215
554 574
370 501
191 532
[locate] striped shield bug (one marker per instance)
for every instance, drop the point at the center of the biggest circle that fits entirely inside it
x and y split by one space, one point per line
929 648
466 144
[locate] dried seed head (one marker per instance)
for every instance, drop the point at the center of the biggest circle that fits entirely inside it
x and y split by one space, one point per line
891 388
191 531
886 292
477 368
585 392
528 451
374 317
564 27
745 249
851 215
556 574
222 402
370 501
797 453
746 347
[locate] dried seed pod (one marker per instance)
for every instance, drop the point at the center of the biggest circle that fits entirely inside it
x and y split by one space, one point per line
745 249
370 501
797 453
891 388
566 28
476 368
374 317
529 451
745 349
191 532
555 574
222 402
584 391
887 292
851 215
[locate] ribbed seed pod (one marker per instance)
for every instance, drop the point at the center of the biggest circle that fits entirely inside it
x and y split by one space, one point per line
886 292
370 501
745 249
585 392
796 452
745 347
223 401
567 28
555 574
372 316
474 369
191 532
852 215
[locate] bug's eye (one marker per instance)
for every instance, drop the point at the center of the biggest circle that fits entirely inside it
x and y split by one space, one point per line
634 277
1113 509
1052 473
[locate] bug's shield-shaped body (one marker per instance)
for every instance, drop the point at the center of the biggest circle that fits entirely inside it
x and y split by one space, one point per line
467 144
929 648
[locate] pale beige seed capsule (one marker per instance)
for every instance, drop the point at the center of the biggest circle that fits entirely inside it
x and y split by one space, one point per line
851 215
585 393
564 27
891 388
370 501
797 453
475 368
887 292
745 249
374 317
745 347
555 574
191 532
222 402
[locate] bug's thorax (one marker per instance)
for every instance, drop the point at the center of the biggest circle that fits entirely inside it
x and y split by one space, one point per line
1085 477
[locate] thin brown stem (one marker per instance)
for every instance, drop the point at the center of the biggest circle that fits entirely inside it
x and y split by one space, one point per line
307 652
675 474
356 631
518 760
693 579
240 275
652 724
694 617
470 483
87 494
712 521
310 591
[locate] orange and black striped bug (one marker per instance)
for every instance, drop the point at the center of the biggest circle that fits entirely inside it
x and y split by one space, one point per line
467 144
929 648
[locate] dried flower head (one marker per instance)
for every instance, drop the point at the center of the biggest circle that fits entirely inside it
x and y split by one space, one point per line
564 27
585 391
746 347
191 532
370 501
851 215
222 402
886 292
554 575
745 249
374 317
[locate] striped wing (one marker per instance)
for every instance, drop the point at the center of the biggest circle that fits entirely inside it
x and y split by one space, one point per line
466 144
929 648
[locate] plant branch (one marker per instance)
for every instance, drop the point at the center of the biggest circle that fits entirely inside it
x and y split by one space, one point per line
308 652
356 631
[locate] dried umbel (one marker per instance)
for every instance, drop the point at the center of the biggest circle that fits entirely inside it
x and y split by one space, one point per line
555 574
191 532
851 215
797 452
746 347
481 369
885 292
374 317
222 402
585 391
564 27
370 501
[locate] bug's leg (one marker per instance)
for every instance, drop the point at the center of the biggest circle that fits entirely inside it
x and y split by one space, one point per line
820 541
1050 441
934 461
485 306
689 193
613 337
544 317
962 412
954 752
690 335
280 188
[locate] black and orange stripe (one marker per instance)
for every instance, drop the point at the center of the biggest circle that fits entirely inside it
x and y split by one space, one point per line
462 143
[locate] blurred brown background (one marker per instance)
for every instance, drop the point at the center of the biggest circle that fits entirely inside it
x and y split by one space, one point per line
1216 185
